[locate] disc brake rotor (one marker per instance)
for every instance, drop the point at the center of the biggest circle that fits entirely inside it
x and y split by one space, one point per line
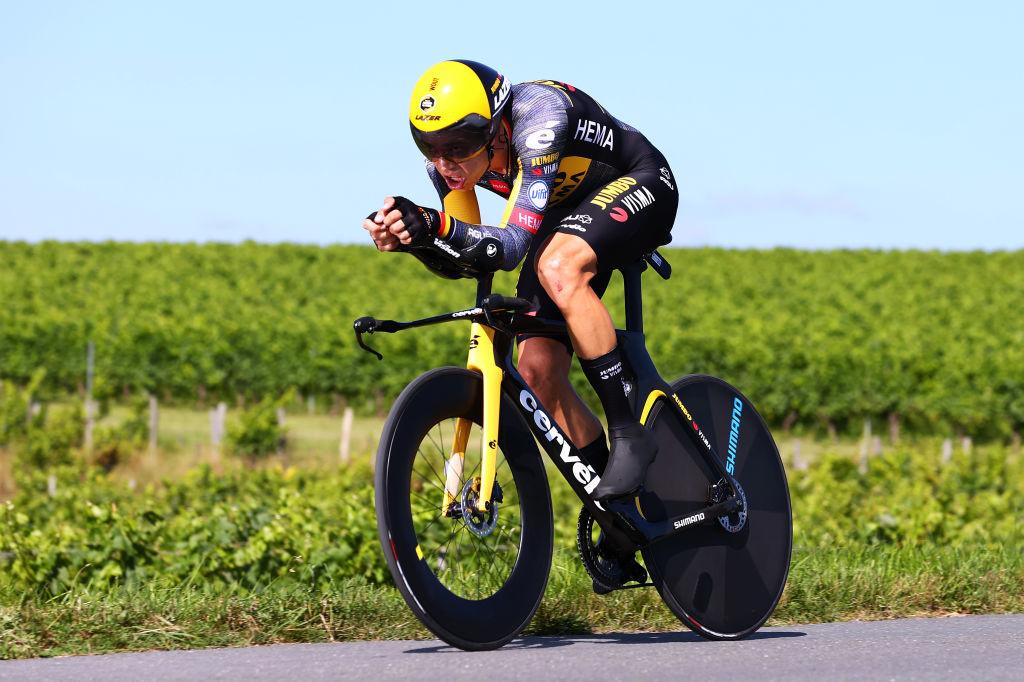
734 522
480 524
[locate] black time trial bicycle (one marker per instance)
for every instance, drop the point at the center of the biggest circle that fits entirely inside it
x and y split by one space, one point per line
462 500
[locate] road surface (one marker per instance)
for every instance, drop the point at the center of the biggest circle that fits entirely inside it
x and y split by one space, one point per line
963 648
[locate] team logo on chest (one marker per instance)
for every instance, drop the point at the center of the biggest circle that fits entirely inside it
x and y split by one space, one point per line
595 133
538 193
571 172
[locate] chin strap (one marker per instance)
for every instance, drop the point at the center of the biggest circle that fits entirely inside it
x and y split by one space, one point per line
508 146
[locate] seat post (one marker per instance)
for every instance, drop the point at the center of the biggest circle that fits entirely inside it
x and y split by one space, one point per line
634 296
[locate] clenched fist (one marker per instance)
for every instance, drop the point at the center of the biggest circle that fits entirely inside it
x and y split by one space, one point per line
401 222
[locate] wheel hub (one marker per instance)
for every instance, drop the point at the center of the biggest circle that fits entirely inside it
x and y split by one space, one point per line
480 524
732 522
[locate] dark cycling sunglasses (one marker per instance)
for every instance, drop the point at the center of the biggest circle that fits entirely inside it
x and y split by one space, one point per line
457 143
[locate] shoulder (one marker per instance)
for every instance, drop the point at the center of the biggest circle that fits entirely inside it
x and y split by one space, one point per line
529 97
538 118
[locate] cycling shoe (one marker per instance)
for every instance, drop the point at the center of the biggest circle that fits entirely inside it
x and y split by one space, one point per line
633 448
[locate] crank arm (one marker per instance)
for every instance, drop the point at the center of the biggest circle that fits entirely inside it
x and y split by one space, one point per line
653 531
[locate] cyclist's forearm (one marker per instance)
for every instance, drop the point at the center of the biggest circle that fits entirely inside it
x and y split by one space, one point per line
515 241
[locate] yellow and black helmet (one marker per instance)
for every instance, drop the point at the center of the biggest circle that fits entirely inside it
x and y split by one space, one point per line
455 109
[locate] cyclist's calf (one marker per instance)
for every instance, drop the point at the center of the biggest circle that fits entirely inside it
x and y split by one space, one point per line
544 365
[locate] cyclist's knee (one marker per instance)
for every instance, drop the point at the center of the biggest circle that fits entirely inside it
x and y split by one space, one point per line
565 266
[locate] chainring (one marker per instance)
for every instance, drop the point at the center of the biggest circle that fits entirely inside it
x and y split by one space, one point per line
603 567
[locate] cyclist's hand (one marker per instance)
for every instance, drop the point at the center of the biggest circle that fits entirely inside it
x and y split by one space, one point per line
411 224
382 238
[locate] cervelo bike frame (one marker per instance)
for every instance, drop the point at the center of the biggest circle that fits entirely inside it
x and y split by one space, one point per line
496 320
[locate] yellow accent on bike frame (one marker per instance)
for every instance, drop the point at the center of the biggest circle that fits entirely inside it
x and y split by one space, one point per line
481 358
651 398
419 552
459 442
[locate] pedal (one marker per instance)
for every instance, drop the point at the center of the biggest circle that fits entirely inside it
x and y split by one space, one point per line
636 572
632 571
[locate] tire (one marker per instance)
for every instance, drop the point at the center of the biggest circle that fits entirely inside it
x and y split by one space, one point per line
473 592
721 584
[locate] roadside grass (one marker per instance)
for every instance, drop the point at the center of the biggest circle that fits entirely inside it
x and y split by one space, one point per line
824 585
314 442
916 531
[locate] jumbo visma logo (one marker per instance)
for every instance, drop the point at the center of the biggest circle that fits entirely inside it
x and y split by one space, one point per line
612 190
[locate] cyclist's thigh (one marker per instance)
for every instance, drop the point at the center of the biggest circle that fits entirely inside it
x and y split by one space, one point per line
627 217
529 287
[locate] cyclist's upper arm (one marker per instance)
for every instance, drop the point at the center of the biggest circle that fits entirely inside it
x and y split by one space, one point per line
538 142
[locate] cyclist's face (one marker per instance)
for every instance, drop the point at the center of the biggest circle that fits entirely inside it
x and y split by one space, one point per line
465 173
462 174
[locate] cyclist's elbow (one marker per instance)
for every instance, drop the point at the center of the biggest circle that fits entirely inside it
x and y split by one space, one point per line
513 255
515 243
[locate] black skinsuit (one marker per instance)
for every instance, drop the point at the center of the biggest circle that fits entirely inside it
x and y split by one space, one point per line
576 169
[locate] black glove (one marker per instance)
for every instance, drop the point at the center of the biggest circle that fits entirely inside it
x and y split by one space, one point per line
422 223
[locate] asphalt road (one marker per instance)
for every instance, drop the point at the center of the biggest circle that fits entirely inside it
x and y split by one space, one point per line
972 648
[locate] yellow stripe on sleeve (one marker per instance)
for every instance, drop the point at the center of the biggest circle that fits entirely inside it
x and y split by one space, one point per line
516 186
462 204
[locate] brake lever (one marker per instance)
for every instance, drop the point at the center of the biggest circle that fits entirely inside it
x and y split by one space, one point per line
366 325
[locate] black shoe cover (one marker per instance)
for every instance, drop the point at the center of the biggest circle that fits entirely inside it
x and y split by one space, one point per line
633 449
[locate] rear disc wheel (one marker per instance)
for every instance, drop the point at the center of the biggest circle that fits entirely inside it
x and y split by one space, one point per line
722 579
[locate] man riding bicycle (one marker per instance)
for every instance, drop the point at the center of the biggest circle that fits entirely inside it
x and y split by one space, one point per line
586 194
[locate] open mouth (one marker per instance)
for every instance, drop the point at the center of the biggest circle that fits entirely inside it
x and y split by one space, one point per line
455 182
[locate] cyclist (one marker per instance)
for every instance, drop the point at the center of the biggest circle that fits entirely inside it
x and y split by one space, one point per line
586 194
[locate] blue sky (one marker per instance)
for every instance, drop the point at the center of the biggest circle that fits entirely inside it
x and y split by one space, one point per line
807 124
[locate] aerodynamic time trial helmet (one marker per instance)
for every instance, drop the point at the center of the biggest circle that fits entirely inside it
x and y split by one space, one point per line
455 109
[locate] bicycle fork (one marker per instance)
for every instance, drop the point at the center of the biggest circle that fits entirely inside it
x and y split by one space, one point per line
481 358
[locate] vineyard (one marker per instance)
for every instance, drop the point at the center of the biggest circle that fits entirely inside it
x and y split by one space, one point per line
933 341
110 544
